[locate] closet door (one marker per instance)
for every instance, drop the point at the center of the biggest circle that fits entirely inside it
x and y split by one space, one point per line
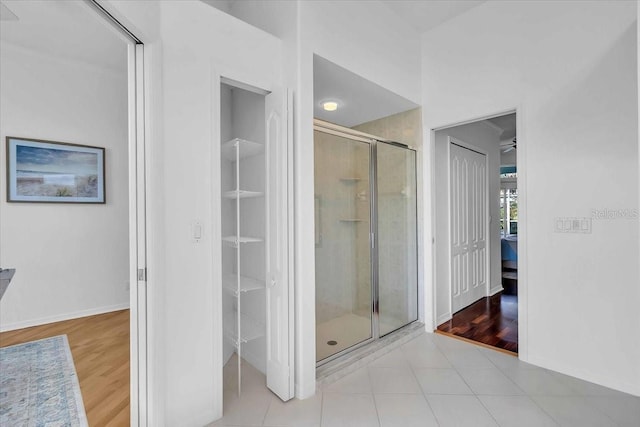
279 326
468 192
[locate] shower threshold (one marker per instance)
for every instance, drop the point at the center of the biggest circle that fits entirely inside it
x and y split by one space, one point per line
352 361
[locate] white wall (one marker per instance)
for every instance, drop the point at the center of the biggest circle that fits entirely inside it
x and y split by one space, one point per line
190 45
486 139
570 69
72 260
198 43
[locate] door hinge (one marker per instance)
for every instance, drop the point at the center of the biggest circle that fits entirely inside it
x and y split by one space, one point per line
142 275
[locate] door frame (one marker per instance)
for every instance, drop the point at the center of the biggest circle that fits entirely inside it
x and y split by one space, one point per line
519 110
487 276
138 168
287 137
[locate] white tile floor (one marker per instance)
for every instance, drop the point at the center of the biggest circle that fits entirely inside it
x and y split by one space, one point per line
436 381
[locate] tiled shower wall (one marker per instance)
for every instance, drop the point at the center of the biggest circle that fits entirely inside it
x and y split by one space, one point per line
342 227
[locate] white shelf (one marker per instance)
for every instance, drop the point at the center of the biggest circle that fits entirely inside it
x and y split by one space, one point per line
247 149
241 194
351 220
249 330
233 240
247 284
350 179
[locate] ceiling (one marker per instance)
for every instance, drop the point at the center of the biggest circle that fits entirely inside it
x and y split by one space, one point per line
67 29
507 124
423 15
359 100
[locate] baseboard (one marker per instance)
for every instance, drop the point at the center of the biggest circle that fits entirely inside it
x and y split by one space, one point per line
61 317
494 290
257 362
443 318
603 380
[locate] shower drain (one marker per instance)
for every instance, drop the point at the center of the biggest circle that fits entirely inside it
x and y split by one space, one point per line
332 342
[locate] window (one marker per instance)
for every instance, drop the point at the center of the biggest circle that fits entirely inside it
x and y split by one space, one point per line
508 211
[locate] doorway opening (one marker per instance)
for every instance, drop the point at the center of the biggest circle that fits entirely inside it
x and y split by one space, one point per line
476 256
256 304
74 75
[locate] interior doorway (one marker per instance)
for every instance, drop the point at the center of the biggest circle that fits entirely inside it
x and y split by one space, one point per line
476 293
77 76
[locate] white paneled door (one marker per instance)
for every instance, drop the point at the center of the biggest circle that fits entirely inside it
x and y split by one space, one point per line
468 198
279 295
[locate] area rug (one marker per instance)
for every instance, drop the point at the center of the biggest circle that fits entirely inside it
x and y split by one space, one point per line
39 386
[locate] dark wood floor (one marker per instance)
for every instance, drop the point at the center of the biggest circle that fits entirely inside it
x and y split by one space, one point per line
492 321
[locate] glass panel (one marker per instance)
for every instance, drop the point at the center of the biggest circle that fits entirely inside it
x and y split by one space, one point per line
343 254
397 243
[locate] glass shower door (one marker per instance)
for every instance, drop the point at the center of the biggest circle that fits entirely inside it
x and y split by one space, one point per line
397 237
343 245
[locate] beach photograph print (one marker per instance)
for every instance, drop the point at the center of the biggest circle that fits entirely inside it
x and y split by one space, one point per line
47 171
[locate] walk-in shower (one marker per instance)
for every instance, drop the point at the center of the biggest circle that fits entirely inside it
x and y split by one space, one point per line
366 238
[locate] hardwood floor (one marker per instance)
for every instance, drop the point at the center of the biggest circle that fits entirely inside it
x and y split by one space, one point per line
492 321
100 348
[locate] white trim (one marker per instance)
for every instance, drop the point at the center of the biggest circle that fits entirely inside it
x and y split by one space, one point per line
444 318
478 119
216 248
523 282
495 289
62 317
133 231
586 375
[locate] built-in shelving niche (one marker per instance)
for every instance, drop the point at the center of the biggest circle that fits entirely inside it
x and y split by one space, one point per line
243 228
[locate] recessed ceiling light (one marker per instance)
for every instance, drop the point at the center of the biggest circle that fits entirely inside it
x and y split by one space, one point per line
330 106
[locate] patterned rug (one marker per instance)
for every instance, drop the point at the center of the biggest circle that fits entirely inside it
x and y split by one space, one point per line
39 386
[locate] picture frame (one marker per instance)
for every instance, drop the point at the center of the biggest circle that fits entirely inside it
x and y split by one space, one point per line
41 171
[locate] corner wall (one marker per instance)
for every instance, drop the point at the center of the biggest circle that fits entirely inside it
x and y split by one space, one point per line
570 70
72 260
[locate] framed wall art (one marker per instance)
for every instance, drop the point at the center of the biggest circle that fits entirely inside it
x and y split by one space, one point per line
54 172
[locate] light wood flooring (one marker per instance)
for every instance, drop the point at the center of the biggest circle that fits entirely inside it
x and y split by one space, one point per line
100 348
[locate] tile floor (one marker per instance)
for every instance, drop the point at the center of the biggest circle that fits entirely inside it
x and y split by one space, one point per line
435 380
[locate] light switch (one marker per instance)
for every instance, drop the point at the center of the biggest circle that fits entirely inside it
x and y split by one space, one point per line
573 225
197 231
